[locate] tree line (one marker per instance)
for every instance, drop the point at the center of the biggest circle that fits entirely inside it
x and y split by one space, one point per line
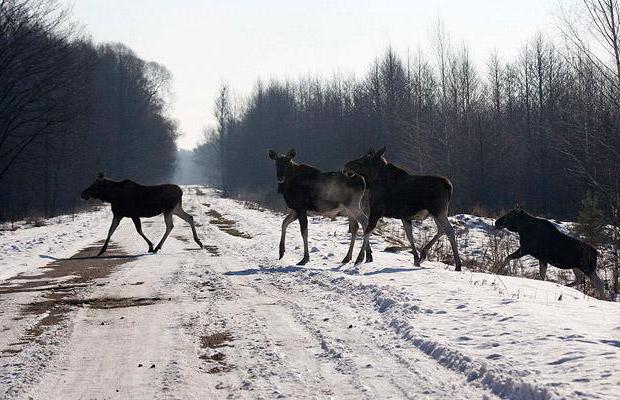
69 108
541 130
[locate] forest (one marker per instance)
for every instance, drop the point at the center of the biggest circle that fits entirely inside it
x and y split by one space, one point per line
540 130
70 108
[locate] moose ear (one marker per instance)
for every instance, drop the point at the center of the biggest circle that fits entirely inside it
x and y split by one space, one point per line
272 154
380 152
291 154
371 151
99 176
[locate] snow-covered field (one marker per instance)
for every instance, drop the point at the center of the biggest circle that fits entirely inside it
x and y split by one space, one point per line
231 321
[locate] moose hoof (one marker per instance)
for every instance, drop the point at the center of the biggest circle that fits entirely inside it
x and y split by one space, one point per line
368 259
416 263
422 255
304 261
155 250
458 268
345 260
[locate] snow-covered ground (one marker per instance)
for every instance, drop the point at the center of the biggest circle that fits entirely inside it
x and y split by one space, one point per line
231 321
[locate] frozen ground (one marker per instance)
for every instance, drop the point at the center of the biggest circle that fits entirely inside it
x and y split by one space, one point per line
231 321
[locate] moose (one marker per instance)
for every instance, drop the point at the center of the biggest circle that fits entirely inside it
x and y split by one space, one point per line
308 190
394 193
542 240
135 201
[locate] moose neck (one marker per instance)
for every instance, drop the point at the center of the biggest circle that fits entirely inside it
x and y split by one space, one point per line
524 220
380 173
111 191
291 171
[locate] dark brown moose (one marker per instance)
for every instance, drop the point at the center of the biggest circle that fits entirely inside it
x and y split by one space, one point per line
134 201
542 240
394 193
308 190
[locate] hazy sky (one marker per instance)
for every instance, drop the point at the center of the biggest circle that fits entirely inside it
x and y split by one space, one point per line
204 43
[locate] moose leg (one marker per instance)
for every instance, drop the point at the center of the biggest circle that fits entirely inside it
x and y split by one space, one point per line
449 231
368 253
136 222
303 226
169 226
598 284
424 251
115 221
372 224
542 270
579 278
180 212
353 228
516 255
287 221
362 219
409 232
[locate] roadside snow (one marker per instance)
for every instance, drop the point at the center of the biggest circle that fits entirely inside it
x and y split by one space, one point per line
29 247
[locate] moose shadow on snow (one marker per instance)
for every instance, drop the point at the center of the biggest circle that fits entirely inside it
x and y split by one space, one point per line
128 256
295 268
392 270
273 270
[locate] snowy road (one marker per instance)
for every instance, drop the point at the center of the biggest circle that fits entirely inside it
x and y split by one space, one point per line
232 321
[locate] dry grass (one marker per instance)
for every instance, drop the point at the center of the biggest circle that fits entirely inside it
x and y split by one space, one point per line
36 218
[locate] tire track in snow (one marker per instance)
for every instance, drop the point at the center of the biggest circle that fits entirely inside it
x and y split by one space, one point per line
396 315
392 375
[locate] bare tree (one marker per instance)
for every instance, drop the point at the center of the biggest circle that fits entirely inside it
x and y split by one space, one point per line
223 115
36 50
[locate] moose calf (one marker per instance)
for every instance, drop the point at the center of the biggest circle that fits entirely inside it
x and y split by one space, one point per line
542 240
307 189
132 200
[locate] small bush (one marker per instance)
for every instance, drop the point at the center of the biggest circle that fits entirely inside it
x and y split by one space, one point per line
36 219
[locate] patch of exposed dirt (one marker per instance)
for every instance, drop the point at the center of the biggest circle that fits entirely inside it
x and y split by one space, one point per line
396 249
216 360
107 303
213 250
216 340
58 299
81 268
225 224
182 239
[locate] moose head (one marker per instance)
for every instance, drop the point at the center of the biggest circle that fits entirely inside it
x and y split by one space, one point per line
96 190
511 220
283 163
368 165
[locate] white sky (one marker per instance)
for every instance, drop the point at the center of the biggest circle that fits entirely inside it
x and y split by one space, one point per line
205 43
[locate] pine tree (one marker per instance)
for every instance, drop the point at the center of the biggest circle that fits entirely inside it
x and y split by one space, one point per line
591 220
